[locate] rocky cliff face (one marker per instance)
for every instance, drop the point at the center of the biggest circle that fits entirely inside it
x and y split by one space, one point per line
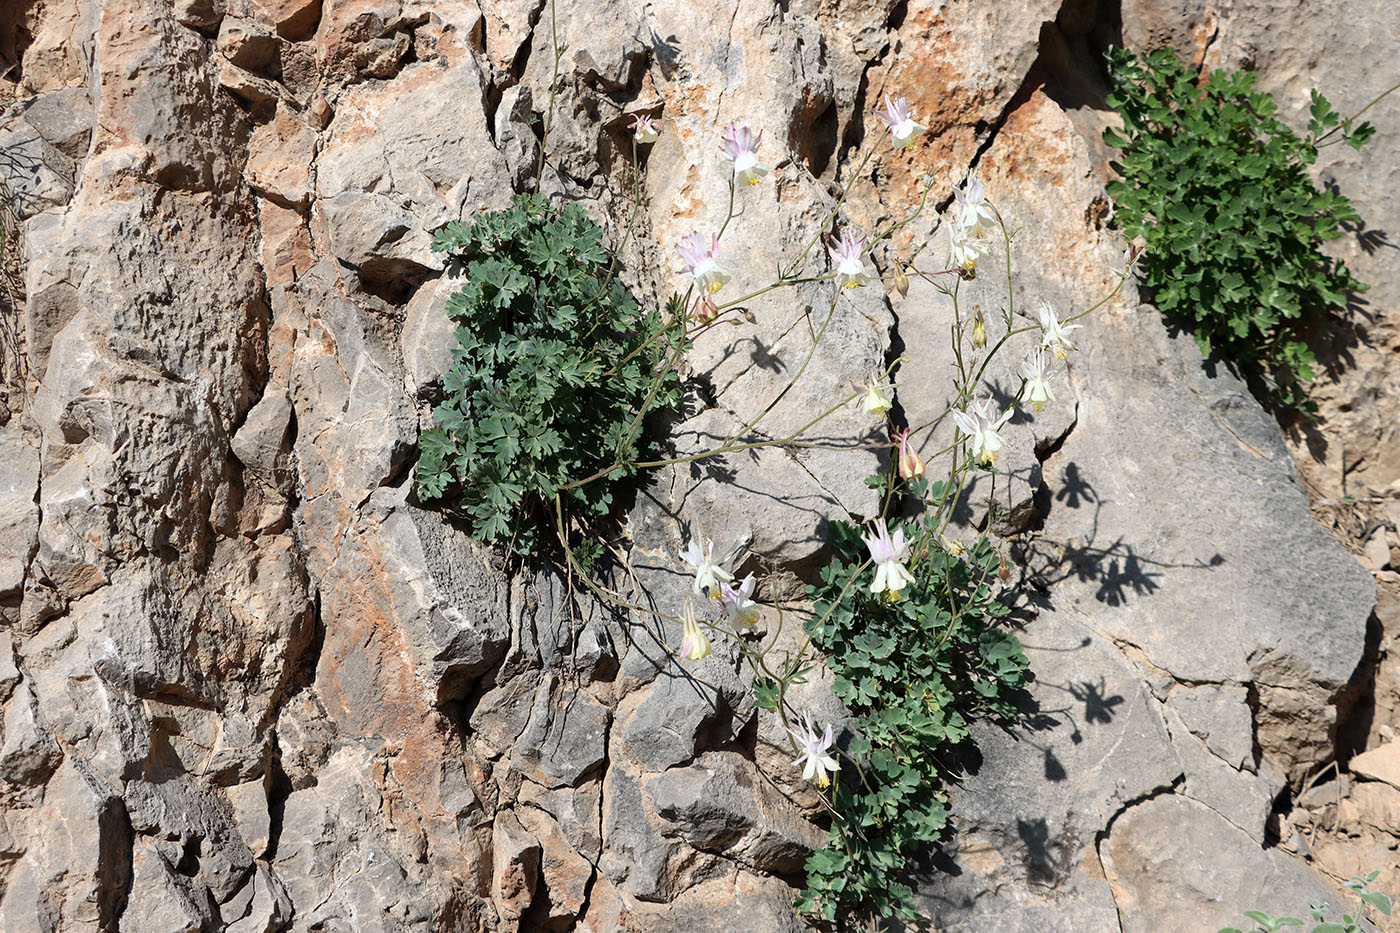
249 684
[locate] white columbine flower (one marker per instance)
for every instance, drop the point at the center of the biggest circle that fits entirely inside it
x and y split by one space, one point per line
973 210
738 604
903 130
964 249
701 263
845 255
1037 370
876 400
694 645
980 422
708 572
644 128
889 556
816 751
1054 335
741 148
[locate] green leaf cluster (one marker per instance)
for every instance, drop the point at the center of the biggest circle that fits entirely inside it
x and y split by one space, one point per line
914 672
1218 187
555 369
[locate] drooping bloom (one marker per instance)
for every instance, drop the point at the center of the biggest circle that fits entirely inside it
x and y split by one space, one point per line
709 573
846 256
694 645
910 463
889 555
876 400
741 148
952 547
964 249
973 210
1037 370
644 128
981 423
1054 335
903 130
701 263
738 603
816 751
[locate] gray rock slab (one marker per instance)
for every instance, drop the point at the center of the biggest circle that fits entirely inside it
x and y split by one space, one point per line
1173 857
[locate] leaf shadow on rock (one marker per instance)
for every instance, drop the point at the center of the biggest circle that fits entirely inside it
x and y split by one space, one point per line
1118 569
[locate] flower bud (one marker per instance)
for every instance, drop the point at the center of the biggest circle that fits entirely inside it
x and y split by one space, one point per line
979 330
910 463
901 281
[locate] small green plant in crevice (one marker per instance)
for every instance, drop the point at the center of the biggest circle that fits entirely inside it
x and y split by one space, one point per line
1218 187
1350 923
914 671
555 369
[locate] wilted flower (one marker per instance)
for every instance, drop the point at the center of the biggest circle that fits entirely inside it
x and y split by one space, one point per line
1054 335
973 210
876 400
980 422
1037 370
903 129
910 463
964 248
816 750
952 547
741 148
701 263
708 572
846 255
644 128
705 308
694 645
1131 255
889 556
738 603
979 330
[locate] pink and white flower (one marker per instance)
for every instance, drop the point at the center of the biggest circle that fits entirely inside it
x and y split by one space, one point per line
709 573
846 256
1037 371
738 604
903 130
644 128
1054 335
816 751
889 555
701 262
981 423
964 249
974 212
741 148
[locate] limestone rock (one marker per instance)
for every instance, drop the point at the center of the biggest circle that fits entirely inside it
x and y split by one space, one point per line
1379 764
1171 857
516 857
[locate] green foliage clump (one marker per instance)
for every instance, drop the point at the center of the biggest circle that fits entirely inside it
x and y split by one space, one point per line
1350 923
1219 189
555 370
913 672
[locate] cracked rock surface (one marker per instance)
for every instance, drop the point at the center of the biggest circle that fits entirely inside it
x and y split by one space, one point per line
247 683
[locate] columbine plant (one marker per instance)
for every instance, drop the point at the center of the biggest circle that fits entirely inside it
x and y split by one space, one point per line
906 618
